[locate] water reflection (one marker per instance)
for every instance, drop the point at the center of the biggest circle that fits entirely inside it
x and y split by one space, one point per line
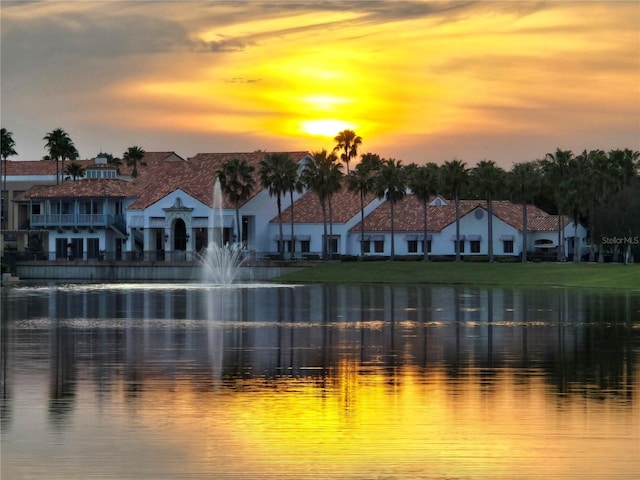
411 381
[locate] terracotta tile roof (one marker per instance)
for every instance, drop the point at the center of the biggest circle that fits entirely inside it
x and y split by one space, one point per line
537 219
151 159
195 176
86 188
409 216
38 167
307 209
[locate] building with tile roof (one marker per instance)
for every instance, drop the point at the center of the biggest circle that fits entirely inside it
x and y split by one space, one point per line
168 212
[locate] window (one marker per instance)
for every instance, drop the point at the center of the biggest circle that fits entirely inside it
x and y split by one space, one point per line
412 246
460 246
305 246
378 246
428 246
333 245
366 244
93 245
286 244
35 209
61 248
507 246
475 244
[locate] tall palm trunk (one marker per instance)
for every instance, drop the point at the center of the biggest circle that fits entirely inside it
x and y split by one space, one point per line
490 228
324 226
425 240
330 228
559 256
576 251
361 223
524 228
393 232
281 242
293 239
457 200
238 224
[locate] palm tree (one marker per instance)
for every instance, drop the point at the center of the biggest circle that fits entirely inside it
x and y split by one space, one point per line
424 182
556 168
334 185
362 180
524 180
60 147
488 179
601 182
294 185
320 174
578 192
236 182
133 157
74 170
391 184
8 150
347 142
273 177
455 176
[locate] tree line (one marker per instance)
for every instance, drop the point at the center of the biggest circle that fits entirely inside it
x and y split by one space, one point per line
60 148
596 188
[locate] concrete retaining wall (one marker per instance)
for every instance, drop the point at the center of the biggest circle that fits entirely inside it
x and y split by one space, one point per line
137 271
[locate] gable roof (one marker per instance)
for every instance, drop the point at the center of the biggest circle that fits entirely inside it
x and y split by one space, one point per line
38 167
149 162
408 214
537 219
307 209
89 188
196 177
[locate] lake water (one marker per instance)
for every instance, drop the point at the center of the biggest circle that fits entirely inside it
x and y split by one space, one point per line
324 382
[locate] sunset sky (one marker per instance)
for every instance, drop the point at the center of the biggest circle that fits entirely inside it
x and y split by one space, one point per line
419 81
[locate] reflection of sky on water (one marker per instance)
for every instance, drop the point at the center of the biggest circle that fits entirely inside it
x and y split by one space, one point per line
323 382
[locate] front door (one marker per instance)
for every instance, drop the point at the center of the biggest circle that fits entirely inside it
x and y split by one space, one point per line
180 236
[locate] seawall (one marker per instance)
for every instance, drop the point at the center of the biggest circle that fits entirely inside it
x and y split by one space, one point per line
121 271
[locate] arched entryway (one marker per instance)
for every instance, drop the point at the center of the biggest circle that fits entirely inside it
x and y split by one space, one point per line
179 235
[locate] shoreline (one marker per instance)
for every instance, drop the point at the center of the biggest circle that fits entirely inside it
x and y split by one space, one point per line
582 275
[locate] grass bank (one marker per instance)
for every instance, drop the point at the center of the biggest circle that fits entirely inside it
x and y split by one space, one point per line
499 274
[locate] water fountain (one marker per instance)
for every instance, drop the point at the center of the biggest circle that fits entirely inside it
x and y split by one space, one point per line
220 262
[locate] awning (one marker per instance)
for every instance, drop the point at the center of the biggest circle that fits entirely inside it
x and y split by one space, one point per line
474 238
453 238
200 222
303 238
506 238
227 221
286 238
377 238
157 222
417 237
136 221
366 238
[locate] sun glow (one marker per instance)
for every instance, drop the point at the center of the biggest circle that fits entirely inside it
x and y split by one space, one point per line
325 128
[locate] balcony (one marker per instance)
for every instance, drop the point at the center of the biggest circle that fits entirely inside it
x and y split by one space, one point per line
57 220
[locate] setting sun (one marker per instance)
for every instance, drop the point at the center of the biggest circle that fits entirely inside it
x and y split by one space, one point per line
325 128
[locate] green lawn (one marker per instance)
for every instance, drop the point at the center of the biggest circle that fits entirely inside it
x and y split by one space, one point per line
503 274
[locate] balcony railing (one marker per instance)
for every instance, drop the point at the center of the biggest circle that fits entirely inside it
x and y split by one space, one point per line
76 220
